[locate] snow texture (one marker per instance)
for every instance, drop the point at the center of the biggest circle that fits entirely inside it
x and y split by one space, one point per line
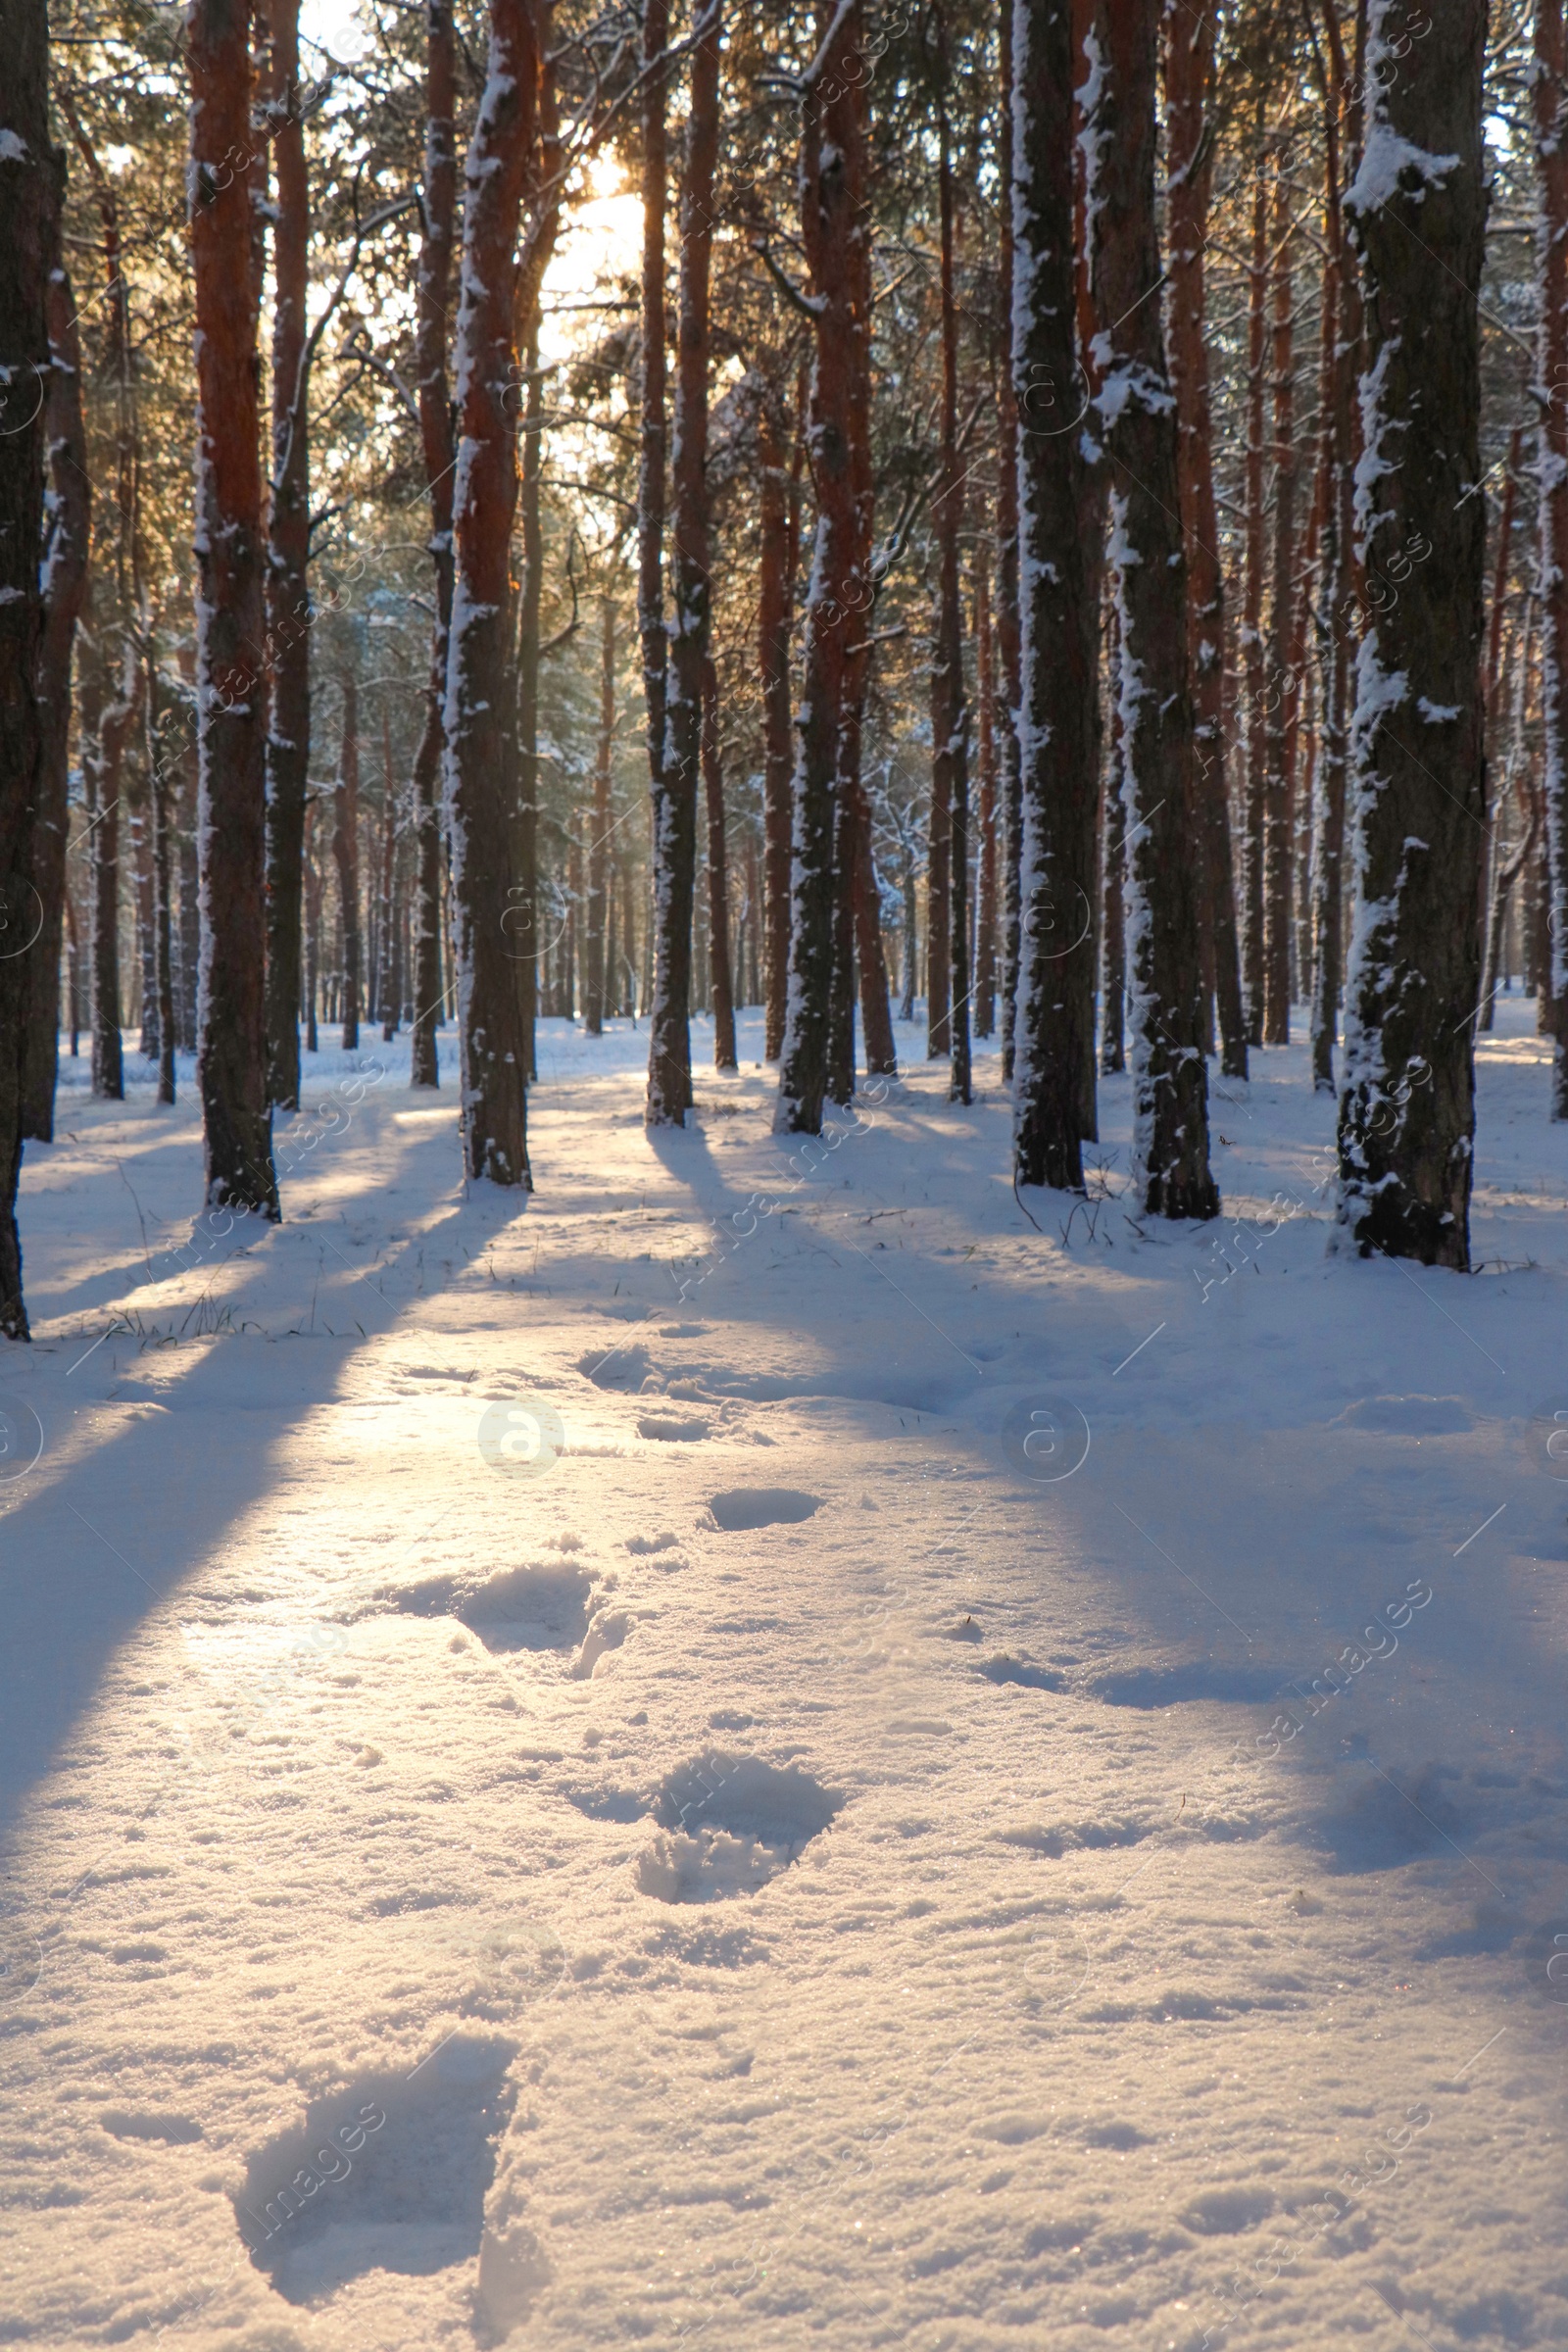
985 1894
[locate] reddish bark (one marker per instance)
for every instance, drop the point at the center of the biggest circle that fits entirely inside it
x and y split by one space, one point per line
599 831
288 549
1188 59
950 704
775 594
438 444
1552 154
720 975
62 584
1008 557
1255 560
1285 685
690 631
669 946
985 939
231 1053
345 856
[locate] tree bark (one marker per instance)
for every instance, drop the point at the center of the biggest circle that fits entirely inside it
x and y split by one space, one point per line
1189 56
775 595
1284 686
345 856
834 233
163 879
985 939
1419 209
1139 433
1256 541
720 966
31 175
1008 624
1114 860
669 1045
1551 163
599 837
690 629
386 954
480 706
62 585
1341 334
288 550
1057 729
949 702
231 1054
438 440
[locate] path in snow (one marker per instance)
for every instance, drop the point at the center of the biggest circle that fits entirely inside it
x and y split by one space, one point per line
766 1753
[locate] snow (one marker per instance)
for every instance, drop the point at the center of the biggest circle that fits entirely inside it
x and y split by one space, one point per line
1385 158
947 1783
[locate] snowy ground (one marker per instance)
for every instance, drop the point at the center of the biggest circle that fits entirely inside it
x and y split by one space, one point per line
464 1880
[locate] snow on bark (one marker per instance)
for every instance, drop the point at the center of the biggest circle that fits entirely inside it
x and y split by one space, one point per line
1407 1102
30 197
1058 783
231 1026
841 590
480 768
1139 430
1552 162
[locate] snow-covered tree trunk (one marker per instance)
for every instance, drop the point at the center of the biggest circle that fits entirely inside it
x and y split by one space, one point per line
1008 637
1418 209
544 200
62 585
1341 339
1054 1018
438 445
1254 799
598 827
775 595
690 627
1552 154
1283 699
985 921
721 979
950 700
834 233
1135 414
288 550
345 856
230 561
30 199
1188 59
481 708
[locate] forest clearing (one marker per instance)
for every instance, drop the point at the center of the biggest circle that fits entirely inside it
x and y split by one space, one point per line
783 1105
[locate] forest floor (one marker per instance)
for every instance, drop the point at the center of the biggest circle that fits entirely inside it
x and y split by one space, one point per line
805 1854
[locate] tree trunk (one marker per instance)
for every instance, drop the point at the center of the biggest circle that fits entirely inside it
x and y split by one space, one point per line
675 832
1007 625
31 178
1139 432
158 793
1341 334
775 595
1256 801
1418 208
1056 719
288 550
386 959
985 942
1285 685
833 144
313 933
1189 53
669 948
949 703
62 584
231 1054
345 856
104 761
438 444
480 704
1552 154
1113 856
598 834
720 968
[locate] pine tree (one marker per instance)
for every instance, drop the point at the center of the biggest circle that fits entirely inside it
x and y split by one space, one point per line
1418 211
